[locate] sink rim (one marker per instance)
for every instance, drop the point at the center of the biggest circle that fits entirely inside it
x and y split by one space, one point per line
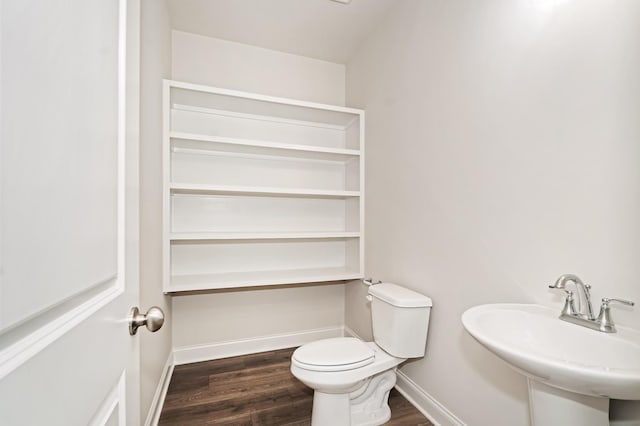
574 376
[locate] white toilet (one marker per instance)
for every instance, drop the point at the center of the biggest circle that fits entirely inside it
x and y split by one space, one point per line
351 378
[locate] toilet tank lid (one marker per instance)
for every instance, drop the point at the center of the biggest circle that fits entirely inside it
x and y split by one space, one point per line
399 296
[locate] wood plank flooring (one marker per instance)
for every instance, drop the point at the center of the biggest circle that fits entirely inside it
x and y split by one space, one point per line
256 389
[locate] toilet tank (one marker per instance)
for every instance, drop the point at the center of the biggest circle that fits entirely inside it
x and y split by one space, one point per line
400 319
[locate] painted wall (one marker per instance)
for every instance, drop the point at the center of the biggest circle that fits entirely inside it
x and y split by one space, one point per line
202 319
209 318
155 65
221 63
502 145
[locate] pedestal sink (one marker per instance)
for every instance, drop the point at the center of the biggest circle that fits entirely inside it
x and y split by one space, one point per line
572 371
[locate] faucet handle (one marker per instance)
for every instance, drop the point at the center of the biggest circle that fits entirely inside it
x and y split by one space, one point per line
606 301
569 307
604 318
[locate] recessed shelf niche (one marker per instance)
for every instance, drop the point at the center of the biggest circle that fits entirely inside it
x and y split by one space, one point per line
259 190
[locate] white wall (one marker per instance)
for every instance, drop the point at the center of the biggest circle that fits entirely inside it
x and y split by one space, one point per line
235 315
502 151
155 65
210 318
221 63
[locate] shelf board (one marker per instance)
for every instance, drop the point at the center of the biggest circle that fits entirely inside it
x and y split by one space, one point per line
260 278
205 144
264 105
194 188
213 236
259 117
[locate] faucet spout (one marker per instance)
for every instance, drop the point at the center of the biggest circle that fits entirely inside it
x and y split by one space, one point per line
584 296
569 313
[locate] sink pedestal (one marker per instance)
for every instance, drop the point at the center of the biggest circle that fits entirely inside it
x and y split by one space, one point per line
554 355
553 406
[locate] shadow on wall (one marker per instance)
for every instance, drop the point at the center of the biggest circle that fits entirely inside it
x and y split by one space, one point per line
492 369
624 413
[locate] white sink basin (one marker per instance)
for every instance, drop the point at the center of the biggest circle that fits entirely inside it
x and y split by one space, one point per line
533 340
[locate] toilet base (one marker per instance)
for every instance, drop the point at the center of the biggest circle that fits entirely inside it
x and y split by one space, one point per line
366 406
331 409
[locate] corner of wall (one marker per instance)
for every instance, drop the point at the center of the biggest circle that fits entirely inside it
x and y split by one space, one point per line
155 64
357 315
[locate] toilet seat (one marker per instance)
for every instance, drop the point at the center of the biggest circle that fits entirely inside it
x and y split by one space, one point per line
336 354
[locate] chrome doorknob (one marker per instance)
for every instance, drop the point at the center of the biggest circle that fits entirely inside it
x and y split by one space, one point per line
153 319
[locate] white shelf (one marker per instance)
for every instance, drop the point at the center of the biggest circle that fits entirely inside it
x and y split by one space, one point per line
203 144
194 188
258 104
260 117
209 236
259 190
261 278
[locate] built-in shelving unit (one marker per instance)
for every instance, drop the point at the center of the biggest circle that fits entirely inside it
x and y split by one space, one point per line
259 190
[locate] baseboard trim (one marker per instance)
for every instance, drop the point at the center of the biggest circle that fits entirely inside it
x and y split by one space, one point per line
189 354
350 333
153 415
425 403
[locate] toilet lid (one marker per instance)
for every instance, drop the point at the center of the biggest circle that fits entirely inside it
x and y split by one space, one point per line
337 354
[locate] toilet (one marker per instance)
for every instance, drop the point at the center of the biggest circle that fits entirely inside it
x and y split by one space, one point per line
351 379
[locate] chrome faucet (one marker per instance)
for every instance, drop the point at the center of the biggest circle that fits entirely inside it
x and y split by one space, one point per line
569 313
584 296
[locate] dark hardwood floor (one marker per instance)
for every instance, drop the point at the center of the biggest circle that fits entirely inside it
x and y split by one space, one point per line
255 389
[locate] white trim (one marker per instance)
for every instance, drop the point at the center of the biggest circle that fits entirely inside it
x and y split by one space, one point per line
273 99
166 190
27 347
181 188
425 403
350 333
293 156
115 400
122 143
189 354
362 188
260 278
209 236
260 117
153 415
2 185
255 143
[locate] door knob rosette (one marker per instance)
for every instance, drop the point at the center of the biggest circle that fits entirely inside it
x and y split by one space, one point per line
153 319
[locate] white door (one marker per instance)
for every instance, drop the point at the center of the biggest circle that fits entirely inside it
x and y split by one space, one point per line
69 212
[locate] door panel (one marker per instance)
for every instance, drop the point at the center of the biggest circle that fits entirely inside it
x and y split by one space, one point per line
58 131
69 211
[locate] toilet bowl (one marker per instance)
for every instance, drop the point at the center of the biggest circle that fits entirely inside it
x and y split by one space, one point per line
351 381
351 378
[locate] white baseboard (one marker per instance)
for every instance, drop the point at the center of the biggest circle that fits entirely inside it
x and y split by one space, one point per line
153 416
425 403
189 354
350 333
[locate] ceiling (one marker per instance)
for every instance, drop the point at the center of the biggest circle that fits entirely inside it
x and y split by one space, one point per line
321 29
